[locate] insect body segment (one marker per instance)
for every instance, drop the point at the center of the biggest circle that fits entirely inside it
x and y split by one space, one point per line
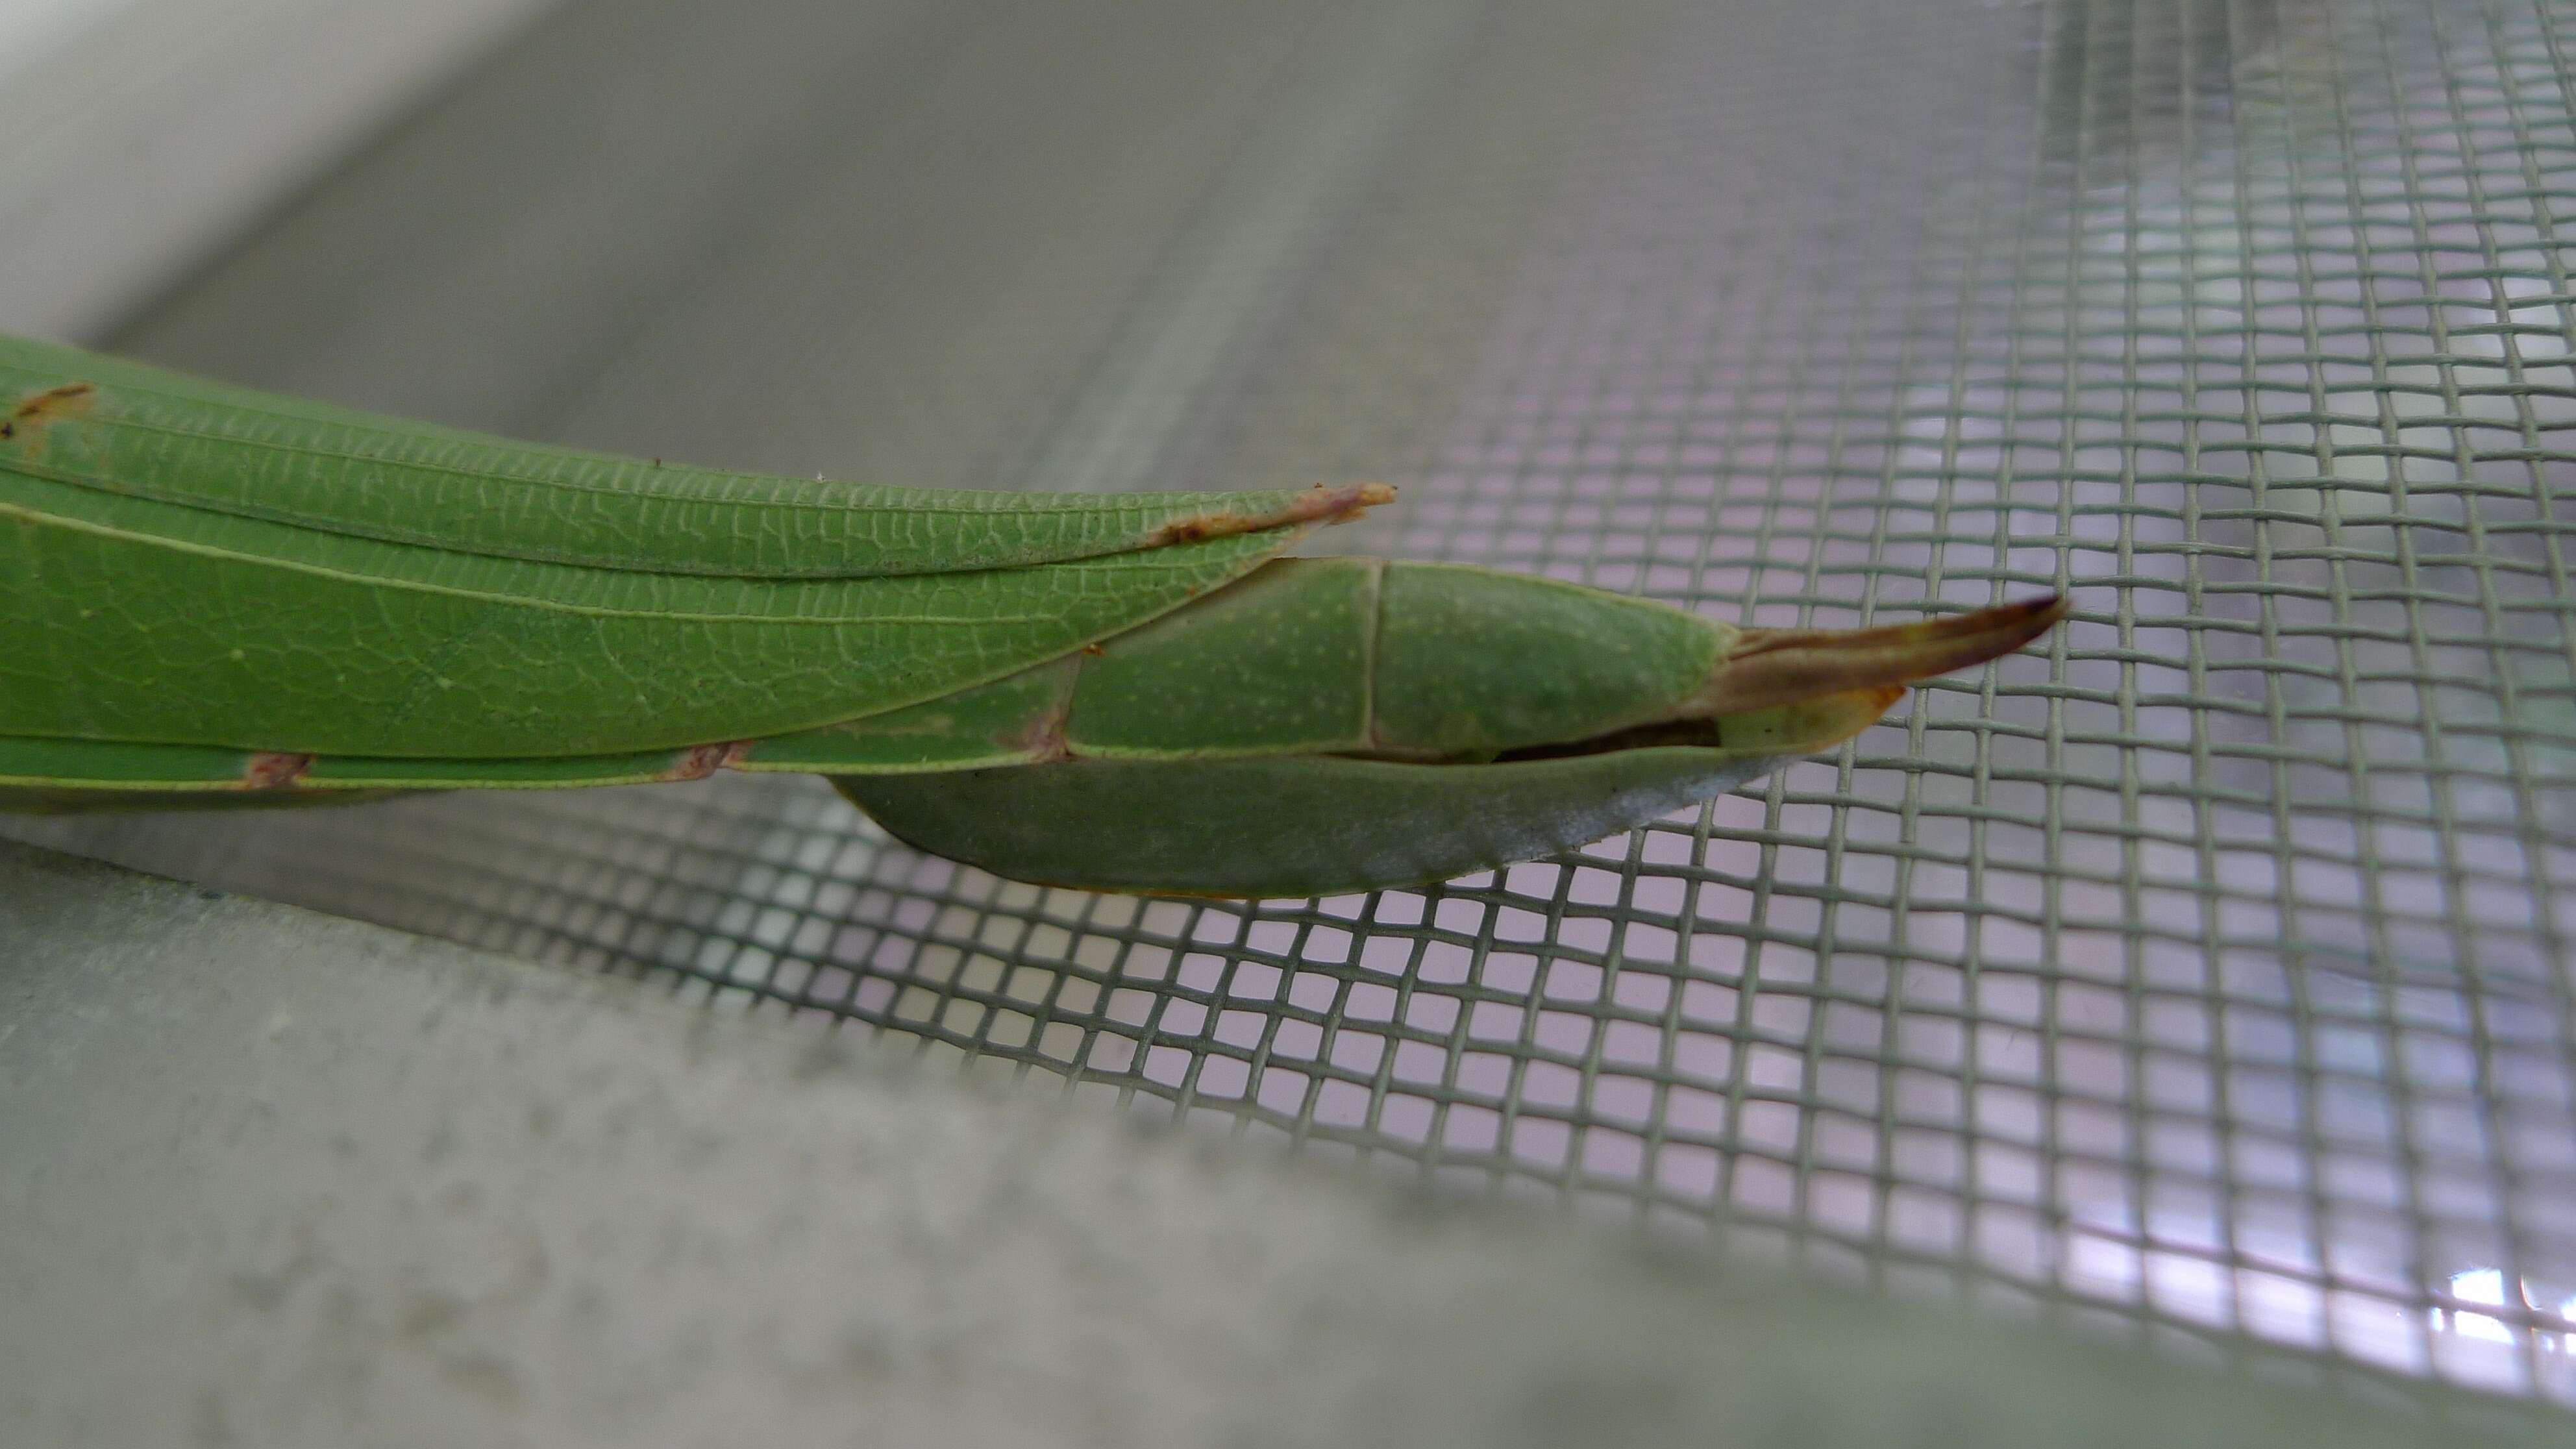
1423 663
1332 656
1552 718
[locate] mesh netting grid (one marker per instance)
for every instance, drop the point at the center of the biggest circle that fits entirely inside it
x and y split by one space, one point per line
2200 967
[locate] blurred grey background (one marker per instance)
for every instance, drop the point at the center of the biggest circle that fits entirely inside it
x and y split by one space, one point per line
2199 984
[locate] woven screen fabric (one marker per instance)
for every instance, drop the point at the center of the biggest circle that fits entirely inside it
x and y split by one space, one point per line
2202 974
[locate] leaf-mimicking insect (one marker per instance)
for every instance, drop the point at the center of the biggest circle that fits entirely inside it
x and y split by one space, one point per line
223 597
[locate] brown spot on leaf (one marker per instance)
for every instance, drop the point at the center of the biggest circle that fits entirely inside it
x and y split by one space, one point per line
705 760
27 420
274 770
1319 504
1041 741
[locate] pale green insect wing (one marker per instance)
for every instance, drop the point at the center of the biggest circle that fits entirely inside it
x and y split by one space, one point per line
220 584
256 636
123 428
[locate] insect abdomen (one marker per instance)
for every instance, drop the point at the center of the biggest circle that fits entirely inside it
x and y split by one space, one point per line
1339 656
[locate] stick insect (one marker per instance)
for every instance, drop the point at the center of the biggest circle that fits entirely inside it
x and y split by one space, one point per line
222 597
